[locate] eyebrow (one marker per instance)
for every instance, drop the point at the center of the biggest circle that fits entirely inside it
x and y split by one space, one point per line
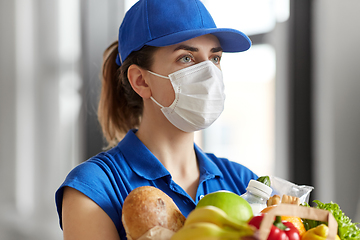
216 49
194 49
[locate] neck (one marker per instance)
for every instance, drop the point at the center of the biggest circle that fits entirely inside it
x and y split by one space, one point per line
174 149
164 140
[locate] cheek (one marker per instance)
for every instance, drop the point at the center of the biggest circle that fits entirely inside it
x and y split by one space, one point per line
171 95
168 94
163 92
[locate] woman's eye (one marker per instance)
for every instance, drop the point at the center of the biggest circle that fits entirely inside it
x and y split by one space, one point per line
216 59
185 59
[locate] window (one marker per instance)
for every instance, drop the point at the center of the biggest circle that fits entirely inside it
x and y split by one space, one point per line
245 132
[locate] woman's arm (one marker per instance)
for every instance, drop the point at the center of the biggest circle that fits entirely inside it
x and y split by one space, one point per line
83 219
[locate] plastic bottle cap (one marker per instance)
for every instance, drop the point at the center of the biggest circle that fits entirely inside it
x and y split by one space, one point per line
260 189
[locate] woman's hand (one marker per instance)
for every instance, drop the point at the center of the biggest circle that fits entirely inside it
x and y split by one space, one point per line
83 219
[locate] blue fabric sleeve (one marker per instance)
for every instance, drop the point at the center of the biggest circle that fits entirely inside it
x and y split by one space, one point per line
94 180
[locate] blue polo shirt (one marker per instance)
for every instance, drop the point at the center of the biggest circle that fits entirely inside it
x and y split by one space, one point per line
110 176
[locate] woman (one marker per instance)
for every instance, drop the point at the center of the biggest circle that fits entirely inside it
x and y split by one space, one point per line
161 83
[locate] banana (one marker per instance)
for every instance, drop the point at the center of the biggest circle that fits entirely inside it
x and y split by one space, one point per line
206 231
217 216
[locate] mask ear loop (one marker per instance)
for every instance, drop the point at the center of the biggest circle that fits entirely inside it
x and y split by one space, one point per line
158 75
156 102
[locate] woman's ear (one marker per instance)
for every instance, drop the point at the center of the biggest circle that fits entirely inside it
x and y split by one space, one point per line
137 81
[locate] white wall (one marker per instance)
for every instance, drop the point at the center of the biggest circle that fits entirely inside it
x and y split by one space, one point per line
337 103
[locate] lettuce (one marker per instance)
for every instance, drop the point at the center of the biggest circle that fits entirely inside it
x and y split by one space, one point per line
346 229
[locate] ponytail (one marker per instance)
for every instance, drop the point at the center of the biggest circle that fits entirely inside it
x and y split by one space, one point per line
120 107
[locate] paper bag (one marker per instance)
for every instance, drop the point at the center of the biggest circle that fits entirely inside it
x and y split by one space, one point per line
297 211
157 233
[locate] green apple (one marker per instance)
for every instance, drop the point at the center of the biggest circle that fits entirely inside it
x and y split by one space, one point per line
235 206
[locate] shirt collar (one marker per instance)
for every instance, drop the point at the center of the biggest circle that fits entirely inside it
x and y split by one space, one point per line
146 165
208 169
140 159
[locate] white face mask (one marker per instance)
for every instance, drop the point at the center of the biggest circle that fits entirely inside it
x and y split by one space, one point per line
199 96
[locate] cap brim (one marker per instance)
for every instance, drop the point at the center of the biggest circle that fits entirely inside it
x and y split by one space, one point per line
231 40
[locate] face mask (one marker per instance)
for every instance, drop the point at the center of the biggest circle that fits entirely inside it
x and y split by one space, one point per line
199 97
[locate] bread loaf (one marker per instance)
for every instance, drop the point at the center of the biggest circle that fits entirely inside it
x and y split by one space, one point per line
147 207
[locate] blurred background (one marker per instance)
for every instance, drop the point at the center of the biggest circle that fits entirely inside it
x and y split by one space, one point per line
292 108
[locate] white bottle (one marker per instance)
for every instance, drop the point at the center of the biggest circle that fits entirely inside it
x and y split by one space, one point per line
256 195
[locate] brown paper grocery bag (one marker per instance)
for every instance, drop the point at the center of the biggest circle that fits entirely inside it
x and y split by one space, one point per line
297 211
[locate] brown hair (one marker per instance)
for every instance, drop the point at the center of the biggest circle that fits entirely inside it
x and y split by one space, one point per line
120 107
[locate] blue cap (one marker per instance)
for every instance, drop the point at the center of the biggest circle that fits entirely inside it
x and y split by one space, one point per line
166 22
